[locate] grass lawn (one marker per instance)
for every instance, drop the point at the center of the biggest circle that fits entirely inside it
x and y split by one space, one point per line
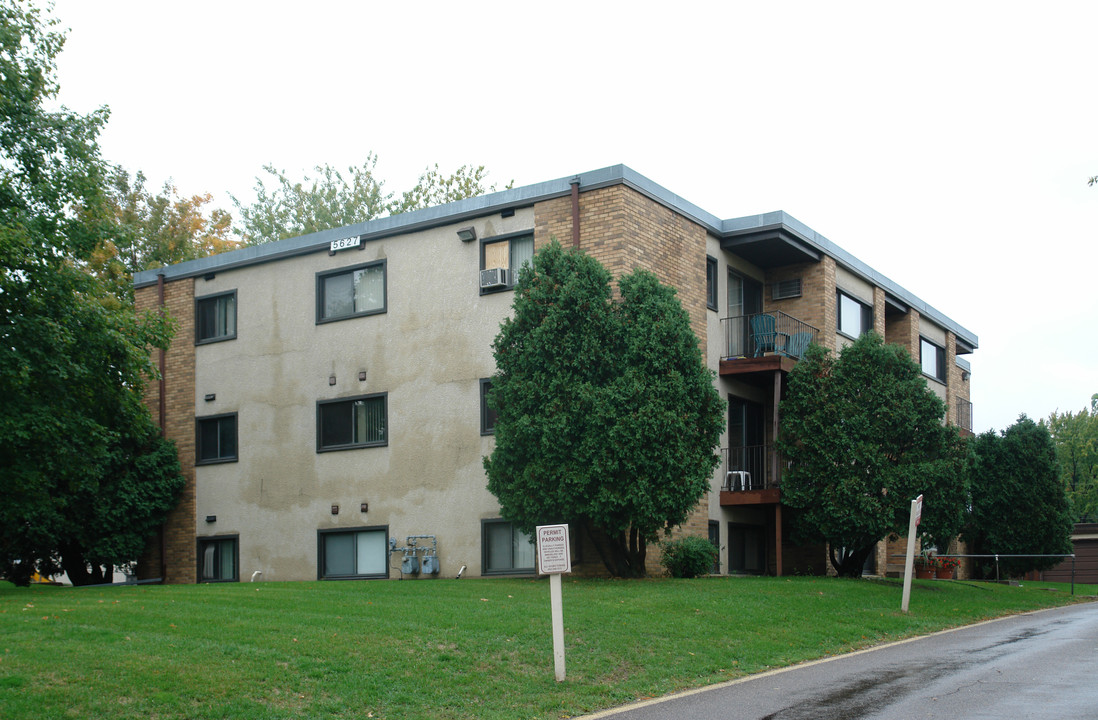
442 648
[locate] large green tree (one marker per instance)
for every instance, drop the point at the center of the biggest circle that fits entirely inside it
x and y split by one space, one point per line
1076 439
84 476
607 414
1018 502
864 437
334 199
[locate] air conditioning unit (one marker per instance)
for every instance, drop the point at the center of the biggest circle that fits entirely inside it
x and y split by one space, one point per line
785 289
495 277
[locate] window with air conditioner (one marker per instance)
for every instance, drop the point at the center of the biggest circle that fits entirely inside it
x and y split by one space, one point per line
501 258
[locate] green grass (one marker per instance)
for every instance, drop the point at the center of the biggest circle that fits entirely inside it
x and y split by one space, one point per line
441 648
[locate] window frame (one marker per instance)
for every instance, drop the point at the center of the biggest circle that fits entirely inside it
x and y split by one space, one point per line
323 533
939 359
198 302
202 541
488 416
198 423
320 447
865 314
712 273
484 524
513 271
324 275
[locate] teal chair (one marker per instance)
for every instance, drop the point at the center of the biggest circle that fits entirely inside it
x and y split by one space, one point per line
797 344
764 332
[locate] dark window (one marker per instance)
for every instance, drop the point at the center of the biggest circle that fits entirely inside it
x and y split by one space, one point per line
487 414
855 317
932 359
505 550
351 292
351 423
218 559
507 255
358 553
711 282
215 439
215 318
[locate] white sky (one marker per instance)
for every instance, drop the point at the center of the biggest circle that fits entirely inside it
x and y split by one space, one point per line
945 144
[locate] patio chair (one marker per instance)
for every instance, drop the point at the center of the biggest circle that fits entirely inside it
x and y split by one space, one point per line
797 344
764 332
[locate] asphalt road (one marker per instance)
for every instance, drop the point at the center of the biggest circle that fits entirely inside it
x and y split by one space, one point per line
1038 665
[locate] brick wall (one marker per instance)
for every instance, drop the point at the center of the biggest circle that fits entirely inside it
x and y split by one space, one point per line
176 543
817 304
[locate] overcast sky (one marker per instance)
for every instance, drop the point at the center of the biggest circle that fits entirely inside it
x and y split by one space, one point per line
947 145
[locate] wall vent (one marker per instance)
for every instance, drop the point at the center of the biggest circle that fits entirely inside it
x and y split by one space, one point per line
786 289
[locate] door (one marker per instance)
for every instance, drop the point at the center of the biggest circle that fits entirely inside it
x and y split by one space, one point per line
744 299
747 441
746 548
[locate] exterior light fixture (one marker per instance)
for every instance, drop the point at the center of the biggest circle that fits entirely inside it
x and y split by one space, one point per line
467 234
331 379
335 509
211 518
210 397
365 507
362 376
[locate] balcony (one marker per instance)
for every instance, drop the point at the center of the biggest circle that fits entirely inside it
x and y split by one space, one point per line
767 333
752 475
964 415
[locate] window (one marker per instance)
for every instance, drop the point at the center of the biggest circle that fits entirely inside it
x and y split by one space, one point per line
218 559
508 252
711 282
487 414
505 550
358 553
855 317
932 359
215 318
215 439
351 423
350 292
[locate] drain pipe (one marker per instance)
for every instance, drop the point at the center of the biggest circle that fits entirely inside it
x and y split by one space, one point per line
576 212
163 412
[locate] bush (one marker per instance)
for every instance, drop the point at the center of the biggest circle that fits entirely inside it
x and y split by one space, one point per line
688 557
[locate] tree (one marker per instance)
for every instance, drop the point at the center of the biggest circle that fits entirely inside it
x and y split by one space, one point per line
607 415
83 473
864 437
333 200
1076 439
1018 502
150 231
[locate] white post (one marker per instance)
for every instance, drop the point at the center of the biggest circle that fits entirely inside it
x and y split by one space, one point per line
909 560
557 610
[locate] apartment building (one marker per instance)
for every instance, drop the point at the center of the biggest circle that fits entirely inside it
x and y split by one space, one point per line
326 392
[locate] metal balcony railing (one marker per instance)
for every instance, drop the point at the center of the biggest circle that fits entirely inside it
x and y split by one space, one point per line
749 468
766 333
964 414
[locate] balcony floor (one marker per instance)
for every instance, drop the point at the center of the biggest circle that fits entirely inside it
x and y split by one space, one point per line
770 496
757 365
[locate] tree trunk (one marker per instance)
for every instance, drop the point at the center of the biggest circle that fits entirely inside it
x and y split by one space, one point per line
622 555
849 563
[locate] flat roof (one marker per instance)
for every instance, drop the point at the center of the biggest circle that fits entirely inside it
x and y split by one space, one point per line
761 236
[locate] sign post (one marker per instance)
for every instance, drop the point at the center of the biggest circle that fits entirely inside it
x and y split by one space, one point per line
554 558
909 561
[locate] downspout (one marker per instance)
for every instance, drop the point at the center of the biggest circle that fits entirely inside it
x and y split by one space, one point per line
163 411
163 406
576 212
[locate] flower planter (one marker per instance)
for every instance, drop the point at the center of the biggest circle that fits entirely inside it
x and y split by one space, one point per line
943 573
924 572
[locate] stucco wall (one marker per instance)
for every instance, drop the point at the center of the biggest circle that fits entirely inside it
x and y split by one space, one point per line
428 352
